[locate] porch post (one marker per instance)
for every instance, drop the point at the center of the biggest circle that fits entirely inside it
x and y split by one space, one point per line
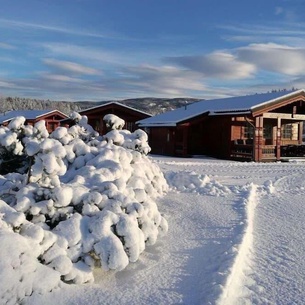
258 139
278 139
300 138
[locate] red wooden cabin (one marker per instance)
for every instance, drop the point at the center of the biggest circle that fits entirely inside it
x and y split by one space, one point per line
52 118
260 127
96 114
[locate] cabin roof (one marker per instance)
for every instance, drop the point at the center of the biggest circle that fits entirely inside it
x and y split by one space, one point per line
239 104
115 103
27 114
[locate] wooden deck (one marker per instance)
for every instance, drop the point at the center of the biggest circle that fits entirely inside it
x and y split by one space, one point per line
244 152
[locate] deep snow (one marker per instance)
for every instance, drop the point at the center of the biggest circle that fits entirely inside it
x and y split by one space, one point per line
235 237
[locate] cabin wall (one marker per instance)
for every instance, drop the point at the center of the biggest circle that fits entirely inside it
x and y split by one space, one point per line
238 128
208 137
216 136
52 121
162 140
196 139
51 125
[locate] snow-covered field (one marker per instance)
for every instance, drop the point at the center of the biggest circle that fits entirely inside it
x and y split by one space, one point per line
236 236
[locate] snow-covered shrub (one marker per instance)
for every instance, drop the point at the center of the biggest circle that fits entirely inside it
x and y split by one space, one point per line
113 122
14 139
137 141
87 201
11 148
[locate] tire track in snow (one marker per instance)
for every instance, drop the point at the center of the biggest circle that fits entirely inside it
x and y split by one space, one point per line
234 289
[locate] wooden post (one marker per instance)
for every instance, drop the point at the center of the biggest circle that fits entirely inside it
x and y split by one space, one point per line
258 139
255 143
300 138
278 139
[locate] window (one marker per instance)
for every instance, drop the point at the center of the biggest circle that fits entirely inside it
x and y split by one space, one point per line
268 131
248 131
129 126
287 131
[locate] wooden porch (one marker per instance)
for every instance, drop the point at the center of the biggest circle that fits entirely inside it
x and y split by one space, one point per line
244 152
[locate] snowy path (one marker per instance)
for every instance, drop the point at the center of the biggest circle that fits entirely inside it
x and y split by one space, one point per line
234 291
269 265
230 241
183 268
279 244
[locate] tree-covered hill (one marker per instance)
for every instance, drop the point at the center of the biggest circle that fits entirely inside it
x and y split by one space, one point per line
149 104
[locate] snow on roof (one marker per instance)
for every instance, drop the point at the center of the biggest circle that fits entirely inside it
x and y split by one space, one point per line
28 114
117 103
240 104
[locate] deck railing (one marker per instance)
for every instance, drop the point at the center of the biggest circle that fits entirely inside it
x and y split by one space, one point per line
245 152
296 151
268 152
242 152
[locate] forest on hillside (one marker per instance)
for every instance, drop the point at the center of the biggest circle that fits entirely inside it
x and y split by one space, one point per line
16 103
150 105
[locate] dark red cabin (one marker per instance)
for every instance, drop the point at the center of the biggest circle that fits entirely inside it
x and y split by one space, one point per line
260 127
52 118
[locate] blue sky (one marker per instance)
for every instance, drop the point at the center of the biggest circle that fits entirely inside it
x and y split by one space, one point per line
115 49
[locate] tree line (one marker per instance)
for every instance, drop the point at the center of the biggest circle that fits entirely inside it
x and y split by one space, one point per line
17 103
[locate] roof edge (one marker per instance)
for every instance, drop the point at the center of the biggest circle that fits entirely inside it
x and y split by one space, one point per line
54 110
117 103
291 94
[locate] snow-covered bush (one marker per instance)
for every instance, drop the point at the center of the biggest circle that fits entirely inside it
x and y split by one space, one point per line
87 201
137 140
11 148
113 122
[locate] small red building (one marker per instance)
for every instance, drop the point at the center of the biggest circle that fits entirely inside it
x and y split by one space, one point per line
52 118
260 127
129 115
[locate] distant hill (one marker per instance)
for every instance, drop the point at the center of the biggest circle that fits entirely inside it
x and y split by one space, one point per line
16 103
150 105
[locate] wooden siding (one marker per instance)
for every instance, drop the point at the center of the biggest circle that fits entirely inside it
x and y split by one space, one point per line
162 140
216 137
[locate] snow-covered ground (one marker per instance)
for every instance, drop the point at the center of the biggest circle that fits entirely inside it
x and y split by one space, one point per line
236 236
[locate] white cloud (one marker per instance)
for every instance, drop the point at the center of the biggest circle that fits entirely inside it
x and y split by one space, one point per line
61 78
278 10
285 31
160 81
42 27
84 52
218 64
275 58
70 67
6 46
6 84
